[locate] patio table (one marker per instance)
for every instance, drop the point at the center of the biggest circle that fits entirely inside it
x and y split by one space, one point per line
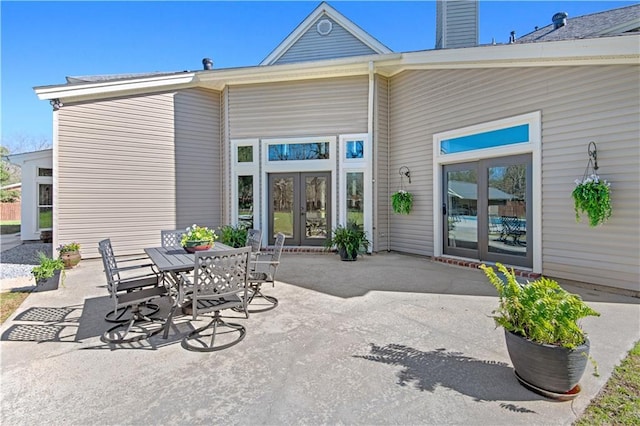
171 261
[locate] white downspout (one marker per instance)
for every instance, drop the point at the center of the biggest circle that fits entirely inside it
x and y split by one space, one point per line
56 174
370 150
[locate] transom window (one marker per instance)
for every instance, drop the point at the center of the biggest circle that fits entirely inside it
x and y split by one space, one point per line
354 149
299 151
490 139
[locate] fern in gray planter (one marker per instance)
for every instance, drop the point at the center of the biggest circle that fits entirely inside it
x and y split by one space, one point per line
547 347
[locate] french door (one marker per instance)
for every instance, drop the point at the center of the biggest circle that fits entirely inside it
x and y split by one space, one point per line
487 210
299 207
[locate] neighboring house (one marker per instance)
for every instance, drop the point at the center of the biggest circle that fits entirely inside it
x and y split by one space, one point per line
318 133
36 211
10 211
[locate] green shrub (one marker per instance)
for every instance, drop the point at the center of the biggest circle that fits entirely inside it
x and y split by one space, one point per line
234 236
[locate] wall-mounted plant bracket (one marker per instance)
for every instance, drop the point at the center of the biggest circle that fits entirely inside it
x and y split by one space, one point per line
404 172
592 164
593 155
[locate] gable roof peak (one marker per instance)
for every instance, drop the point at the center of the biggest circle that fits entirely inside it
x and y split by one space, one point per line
324 8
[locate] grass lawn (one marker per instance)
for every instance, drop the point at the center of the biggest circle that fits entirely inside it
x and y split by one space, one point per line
619 400
9 302
9 227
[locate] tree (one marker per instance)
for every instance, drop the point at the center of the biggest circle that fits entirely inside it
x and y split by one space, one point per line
10 173
7 177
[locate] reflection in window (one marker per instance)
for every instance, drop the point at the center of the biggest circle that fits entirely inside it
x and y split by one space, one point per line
45 206
299 151
45 172
507 209
245 154
355 197
316 195
245 200
354 149
283 217
494 138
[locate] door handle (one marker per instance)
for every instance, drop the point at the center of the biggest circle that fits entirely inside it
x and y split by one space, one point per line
444 208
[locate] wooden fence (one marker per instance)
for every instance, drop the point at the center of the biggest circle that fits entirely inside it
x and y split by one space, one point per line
10 211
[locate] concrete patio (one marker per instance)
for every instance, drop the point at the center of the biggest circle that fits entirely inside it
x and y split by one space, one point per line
389 339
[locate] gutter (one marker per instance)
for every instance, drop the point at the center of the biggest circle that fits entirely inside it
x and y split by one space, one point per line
601 51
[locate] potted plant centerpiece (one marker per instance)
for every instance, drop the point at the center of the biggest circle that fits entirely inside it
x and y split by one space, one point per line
47 273
547 347
70 254
198 238
349 240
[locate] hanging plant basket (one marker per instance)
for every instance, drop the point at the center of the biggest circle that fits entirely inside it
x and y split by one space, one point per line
402 202
592 196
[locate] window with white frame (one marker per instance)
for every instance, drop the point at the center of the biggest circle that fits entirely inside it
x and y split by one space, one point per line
491 140
355 188
244 190
45 199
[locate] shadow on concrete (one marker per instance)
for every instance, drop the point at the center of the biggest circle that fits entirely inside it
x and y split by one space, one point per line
45 324
394 272
425 371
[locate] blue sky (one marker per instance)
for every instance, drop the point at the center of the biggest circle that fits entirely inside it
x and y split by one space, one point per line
42 42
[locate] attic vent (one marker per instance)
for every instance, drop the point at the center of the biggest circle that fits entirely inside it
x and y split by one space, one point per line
324 27
559 20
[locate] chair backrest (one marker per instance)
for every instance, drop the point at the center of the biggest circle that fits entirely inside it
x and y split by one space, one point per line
266 270
219 274
254 239
110 265
277 248
171 238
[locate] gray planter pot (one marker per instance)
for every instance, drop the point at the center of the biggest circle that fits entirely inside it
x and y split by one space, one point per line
48 284
551 368
345 257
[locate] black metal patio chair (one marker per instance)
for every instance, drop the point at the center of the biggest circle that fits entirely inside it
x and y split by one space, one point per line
219 283
263 271
131 294
126 275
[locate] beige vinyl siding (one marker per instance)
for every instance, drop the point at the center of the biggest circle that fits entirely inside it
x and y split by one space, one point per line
123 162
198 158
381 164
410 146
312 46
456 24
300 108
578 105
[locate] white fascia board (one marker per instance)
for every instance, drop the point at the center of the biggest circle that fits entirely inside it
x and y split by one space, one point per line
304 26
342 67
602 51
20 159
90 90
